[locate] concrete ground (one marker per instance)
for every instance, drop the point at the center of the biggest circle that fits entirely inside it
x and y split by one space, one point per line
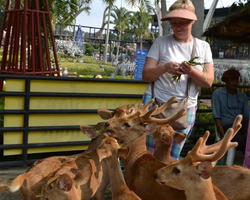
8 174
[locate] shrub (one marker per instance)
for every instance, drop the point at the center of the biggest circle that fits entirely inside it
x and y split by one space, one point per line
7 58
89 51
86 45
205 117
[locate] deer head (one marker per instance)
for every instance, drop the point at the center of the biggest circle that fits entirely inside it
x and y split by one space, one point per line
197 165
140 122
64 186
165 134
109 147
133 108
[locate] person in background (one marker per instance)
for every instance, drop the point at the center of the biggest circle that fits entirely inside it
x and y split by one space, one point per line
227 103
167 57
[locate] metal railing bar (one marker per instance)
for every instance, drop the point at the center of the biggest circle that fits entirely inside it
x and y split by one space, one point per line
40 145
39 128
56 78
68 94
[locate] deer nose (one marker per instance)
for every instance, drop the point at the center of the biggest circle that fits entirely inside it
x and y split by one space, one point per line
155 176
106 124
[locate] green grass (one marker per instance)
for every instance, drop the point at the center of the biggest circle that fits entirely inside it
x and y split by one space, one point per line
88 68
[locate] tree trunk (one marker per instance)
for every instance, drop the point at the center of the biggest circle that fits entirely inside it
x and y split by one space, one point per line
159 16
198 25
164 12
107 36
99 33
118 46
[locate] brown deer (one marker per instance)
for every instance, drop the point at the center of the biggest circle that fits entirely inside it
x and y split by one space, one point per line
30 183
119 189
78 179
140 165
220 175
240 176
193 173
164 137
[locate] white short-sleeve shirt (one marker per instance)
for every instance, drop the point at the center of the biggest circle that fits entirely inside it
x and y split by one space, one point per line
166 49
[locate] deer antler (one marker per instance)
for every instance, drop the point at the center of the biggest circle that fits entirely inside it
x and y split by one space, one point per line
172 100
147 117
214 147
201 152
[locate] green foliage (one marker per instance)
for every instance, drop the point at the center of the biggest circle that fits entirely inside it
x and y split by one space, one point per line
7 58
87 45
89 51
204 117
96 46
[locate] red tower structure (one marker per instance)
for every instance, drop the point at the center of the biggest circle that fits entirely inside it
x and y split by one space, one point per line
28 38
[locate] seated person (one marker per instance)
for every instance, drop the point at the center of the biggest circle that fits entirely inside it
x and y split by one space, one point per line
227 103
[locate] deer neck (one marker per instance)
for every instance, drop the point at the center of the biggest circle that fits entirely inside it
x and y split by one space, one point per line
94 143
115 174
137 149
203 190
162 153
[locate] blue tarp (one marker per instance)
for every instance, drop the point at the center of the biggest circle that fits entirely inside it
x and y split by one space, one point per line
79 38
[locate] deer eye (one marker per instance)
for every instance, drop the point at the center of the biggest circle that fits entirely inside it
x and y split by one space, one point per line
175 171
126 124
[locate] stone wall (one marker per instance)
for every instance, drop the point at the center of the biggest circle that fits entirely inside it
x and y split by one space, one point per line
232 63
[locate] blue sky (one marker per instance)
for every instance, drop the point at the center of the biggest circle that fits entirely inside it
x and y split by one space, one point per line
94 19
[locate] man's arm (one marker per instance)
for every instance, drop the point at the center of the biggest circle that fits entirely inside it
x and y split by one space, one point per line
219 127
216 112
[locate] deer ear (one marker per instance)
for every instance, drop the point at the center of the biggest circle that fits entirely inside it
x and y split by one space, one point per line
150 128
65 183
179 137
83 175
105 114
87 130
124 152
205 169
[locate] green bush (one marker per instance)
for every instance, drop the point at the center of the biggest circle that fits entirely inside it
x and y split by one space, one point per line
204 117
7 58
89 51
86 45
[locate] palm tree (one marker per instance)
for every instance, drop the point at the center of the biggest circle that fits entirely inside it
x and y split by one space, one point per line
110 3
120 20
142 21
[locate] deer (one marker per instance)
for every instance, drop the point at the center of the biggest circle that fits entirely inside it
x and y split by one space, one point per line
79 179
193 173
164 137
141 165
119 189
239 175
220 174
30 183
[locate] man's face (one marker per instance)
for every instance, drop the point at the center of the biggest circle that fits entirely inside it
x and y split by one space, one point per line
232 82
